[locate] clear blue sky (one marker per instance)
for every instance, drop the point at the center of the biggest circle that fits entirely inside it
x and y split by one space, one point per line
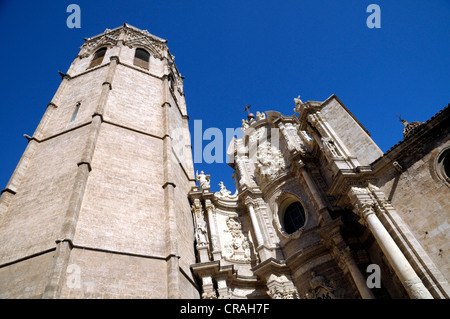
235 53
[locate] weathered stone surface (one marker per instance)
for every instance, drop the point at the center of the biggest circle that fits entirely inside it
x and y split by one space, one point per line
104 202
95 179
329 167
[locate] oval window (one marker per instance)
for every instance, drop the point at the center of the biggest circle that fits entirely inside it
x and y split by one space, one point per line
293 218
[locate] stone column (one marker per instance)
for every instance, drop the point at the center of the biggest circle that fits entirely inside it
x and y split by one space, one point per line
358 278
332 238
173 273
222 286
398 261
320 202
208 288
256 228
262 247
215 244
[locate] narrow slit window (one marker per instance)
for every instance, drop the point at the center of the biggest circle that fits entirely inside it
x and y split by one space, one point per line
141 58
75 112
98 57
171 81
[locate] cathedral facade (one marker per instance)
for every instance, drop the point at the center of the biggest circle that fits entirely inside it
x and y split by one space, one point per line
104 202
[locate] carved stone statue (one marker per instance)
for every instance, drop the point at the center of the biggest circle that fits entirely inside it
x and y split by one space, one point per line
224 193
201 236
223 190
260 115
270 162
239 247
320 288
203 180
298 103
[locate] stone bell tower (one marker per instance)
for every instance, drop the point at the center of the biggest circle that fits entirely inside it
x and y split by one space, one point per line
90 210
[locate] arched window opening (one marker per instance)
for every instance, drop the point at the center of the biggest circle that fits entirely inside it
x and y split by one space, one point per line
443 165
98 57
446 163
293 217
141 58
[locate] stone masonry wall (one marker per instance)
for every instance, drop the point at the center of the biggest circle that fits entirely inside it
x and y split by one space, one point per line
351 133
421 199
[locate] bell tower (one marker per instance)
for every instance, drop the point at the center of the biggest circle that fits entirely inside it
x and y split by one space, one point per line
90 210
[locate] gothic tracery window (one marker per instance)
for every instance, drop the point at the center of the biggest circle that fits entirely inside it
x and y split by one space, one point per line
141 58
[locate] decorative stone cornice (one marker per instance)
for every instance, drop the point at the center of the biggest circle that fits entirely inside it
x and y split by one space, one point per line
270 266
156 49
250 201
214 270
345 179
107 39
278 279
206 269
250 192
129 36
